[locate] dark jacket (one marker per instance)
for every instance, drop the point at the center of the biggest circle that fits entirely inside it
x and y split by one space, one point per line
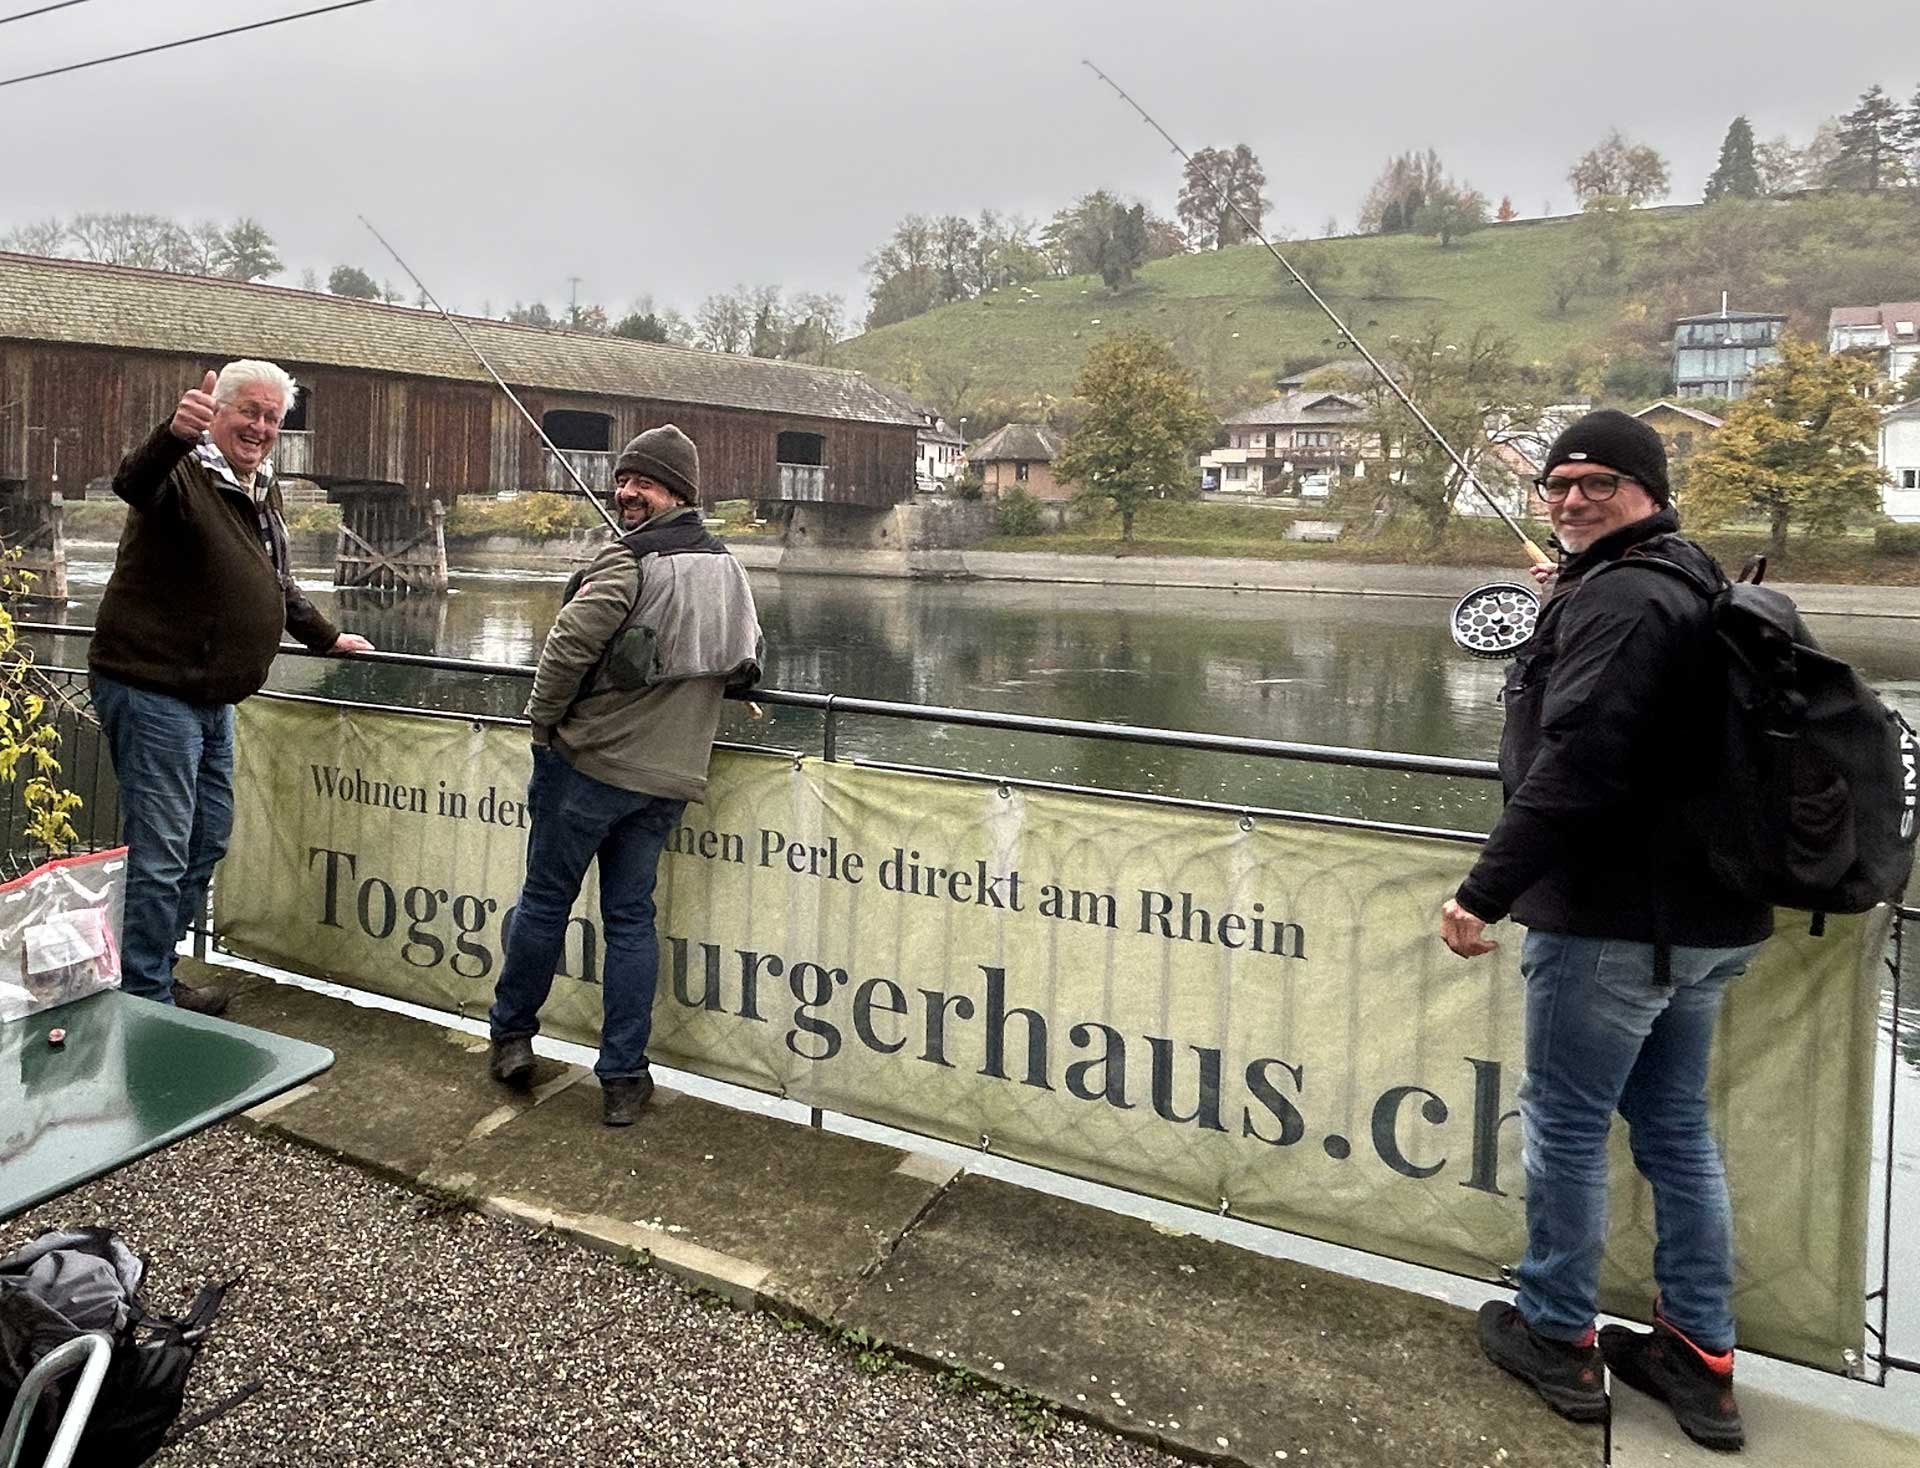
196 603
1610 709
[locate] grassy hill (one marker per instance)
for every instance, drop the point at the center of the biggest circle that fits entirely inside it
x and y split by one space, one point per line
1234 321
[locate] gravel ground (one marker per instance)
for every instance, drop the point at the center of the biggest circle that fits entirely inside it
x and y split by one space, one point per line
385 1330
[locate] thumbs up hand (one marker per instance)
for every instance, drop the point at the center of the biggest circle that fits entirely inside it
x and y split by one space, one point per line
194 416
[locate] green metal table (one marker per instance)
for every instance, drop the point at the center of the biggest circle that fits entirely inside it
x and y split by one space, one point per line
132 1077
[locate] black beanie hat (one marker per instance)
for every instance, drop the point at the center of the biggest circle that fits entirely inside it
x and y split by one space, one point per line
1616 441
665 454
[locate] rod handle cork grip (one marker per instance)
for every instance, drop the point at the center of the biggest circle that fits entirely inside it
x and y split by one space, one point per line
1540 557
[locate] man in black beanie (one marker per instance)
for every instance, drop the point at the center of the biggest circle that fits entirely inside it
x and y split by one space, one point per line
1630 939
625 704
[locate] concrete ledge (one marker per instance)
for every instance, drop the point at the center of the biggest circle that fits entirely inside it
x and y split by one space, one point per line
1207 1350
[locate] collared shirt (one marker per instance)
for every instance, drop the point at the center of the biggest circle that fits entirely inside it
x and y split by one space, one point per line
254 488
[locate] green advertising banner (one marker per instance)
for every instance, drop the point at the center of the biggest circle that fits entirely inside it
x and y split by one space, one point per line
1250 1016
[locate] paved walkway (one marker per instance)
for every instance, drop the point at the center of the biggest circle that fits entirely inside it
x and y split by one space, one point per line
1185 1344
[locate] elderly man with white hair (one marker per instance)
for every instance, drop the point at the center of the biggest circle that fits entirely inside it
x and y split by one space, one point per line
201 591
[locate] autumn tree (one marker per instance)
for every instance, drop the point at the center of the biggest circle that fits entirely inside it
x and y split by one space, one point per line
1101 235
1216 182
1402 189
1798 449
1736 175
1143 422
1472 390
1454 211
1618 167
1507 213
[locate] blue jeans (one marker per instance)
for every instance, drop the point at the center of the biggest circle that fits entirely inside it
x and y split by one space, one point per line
1603 1036
174 764
574 819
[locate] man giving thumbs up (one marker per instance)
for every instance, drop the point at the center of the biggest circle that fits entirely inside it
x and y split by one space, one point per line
192 616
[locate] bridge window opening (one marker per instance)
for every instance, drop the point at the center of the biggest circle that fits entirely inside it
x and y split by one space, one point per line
296 419
801 448
578 432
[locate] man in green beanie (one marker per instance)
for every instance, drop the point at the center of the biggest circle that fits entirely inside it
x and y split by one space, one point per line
625 703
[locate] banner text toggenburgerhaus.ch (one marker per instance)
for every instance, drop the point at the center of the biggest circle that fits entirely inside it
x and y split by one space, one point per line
1184 1085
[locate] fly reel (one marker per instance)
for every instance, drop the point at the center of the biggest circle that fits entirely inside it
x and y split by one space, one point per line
1493 621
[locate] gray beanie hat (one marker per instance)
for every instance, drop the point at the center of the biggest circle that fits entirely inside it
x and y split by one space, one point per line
665 454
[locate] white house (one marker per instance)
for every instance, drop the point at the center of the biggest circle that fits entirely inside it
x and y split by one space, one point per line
1900 457
1889 333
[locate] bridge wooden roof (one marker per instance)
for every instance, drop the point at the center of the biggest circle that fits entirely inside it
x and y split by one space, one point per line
69 301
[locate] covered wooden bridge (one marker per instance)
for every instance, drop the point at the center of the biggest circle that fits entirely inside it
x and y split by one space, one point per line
395 417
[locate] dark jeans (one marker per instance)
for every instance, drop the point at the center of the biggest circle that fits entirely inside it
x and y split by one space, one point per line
574 819
174 763
1602 1036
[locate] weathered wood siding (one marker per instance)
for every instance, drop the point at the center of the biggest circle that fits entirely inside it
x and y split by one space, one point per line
438 437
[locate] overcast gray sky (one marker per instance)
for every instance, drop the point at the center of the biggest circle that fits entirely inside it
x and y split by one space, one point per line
674 148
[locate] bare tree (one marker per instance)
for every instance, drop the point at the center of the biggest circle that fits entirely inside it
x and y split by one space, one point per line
724 321
37 237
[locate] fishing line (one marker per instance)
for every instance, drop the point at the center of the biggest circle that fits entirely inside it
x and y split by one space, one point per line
1347 337
498 381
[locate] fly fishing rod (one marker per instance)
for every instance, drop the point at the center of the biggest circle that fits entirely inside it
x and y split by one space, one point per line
754 711
1490 621
499 382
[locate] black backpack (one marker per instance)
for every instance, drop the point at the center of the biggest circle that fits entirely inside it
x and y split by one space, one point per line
1814 804
71 1281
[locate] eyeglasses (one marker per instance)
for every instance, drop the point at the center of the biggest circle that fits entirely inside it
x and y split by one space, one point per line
1593 487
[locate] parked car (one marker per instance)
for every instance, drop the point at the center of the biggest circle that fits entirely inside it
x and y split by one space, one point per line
1316 486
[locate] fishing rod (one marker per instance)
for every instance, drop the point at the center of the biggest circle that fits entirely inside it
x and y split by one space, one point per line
1347 336
754 710
499 382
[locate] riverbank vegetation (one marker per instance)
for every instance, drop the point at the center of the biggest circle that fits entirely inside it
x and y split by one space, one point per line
1887 555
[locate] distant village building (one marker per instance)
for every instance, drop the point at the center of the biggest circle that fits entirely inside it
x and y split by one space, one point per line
1887 335
939 452
1296 443
1020 456
1900 457
1716 356
1684 430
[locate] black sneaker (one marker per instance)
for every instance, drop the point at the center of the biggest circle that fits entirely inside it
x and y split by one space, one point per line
620 1101
1568 1377
1696 1384
199 1001
511 1062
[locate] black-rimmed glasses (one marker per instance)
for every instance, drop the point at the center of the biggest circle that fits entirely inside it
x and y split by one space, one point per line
1593 487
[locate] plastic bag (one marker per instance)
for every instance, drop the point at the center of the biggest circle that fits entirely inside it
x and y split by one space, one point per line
60 932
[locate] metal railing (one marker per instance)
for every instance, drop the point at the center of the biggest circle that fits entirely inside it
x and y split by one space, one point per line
835 708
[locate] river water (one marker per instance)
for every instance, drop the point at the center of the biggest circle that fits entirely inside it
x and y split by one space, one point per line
1376 672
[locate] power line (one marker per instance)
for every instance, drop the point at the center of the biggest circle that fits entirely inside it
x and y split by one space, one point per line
29 14
259 25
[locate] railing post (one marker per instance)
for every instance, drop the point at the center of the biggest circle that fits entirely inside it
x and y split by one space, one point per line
827 742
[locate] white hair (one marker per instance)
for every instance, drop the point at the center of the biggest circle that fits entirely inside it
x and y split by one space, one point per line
248 372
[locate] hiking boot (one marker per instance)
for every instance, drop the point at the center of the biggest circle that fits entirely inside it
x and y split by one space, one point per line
1567 1376
620 1101
510 1062
1696 1384
199 1001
